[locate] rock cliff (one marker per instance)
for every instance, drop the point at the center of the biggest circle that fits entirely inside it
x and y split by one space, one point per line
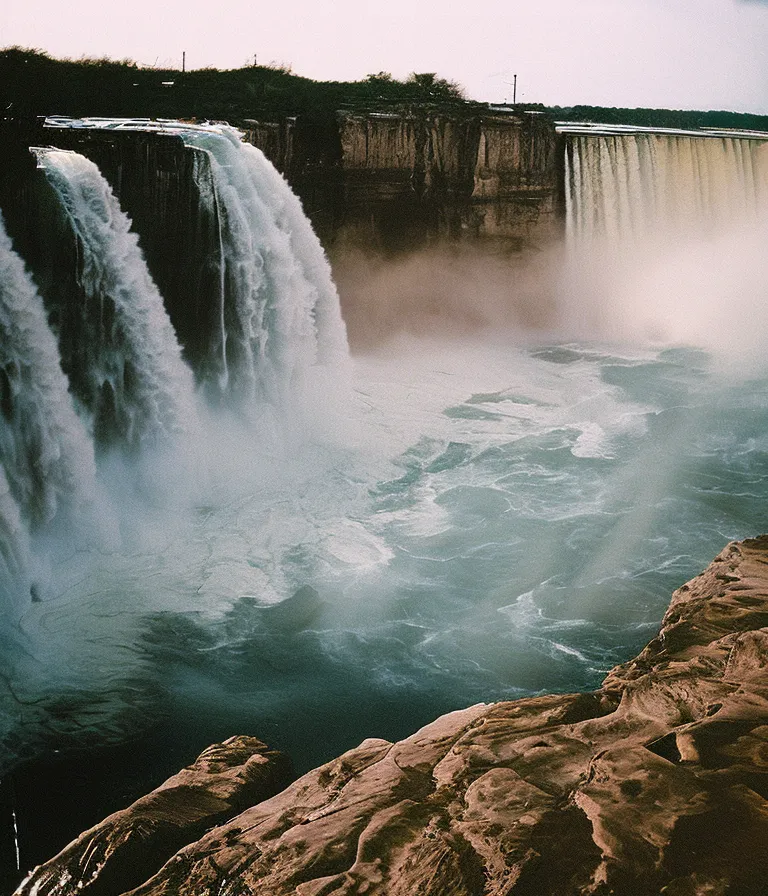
399 179
655 783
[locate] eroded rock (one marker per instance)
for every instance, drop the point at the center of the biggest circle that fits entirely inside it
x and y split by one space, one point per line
126 848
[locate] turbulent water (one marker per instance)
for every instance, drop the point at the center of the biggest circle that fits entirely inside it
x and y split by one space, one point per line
442 523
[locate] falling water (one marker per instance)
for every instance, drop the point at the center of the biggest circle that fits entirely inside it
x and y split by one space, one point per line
126 358
280 312
46 458
625 186
14 549
651 220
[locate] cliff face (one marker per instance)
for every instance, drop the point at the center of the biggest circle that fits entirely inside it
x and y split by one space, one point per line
657 782
403 179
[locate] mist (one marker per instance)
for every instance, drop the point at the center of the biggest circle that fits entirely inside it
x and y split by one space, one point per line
448 292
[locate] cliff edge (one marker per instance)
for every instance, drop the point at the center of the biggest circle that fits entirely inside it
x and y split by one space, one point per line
655 783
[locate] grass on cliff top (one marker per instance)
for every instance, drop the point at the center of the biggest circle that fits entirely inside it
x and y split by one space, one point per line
32 83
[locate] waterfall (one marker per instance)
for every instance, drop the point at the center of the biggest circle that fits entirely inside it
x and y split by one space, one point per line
93 361
124 358
279 324
14 547
279 310
630 185
44 448
651 218
46 456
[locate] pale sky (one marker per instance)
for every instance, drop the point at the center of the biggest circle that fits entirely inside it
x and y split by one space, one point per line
702 54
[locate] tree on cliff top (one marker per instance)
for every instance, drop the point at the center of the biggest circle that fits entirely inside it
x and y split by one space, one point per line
430 87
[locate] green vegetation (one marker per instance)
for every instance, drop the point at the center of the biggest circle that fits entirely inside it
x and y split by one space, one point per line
656 118
32 83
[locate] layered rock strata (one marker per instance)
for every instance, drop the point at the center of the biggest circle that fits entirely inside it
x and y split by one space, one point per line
655 783
418 175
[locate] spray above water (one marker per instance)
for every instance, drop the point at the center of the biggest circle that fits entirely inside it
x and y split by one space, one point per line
665 232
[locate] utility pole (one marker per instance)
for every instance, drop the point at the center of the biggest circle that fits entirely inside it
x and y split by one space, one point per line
183 61
514 90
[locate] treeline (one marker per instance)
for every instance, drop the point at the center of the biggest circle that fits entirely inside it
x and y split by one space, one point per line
657 118
32 83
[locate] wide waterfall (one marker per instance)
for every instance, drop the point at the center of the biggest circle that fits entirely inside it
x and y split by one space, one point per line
629 184
312 547
651 218
278 313
103 371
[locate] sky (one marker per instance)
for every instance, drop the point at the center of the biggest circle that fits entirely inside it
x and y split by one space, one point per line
680 54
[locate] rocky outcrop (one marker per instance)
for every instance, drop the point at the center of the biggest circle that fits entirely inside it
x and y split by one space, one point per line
124 849
655 783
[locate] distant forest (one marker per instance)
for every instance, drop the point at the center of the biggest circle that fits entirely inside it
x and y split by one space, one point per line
32 83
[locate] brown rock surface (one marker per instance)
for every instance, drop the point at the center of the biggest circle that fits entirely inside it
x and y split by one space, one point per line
129 846
656 783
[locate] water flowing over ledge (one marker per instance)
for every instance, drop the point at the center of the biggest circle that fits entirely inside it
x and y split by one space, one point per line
99 367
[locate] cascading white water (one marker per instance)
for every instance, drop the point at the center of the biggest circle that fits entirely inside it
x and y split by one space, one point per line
625 186
46 452
15 552
46 457
650 219
131 358
279 318
280 313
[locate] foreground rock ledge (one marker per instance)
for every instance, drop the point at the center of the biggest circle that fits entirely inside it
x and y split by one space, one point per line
656 783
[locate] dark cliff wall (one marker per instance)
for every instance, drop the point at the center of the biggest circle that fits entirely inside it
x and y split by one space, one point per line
155 178
394 180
